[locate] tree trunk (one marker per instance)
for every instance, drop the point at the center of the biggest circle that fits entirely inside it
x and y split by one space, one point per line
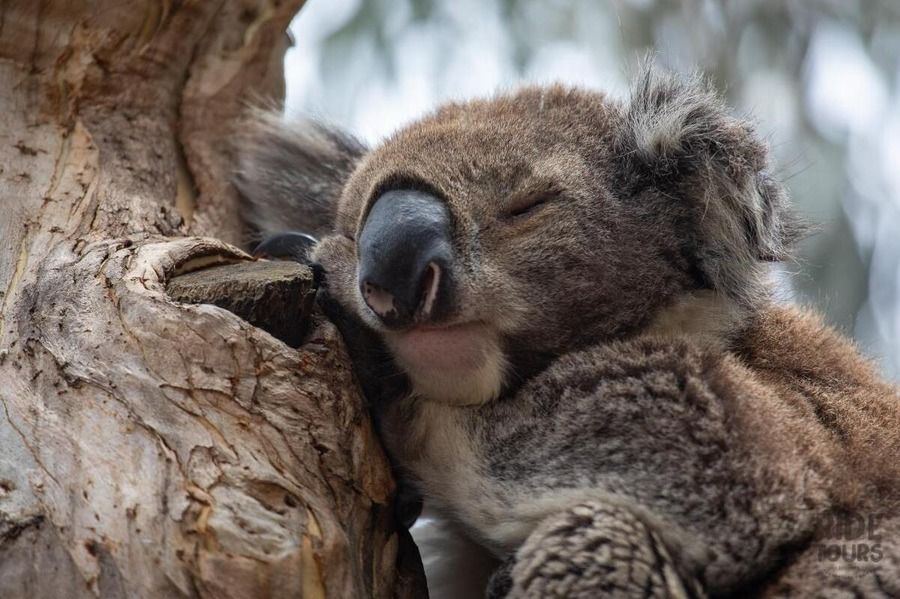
150 448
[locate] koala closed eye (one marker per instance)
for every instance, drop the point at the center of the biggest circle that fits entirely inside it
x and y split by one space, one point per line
529 202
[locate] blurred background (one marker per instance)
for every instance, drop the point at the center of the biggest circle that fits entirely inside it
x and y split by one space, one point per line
821 78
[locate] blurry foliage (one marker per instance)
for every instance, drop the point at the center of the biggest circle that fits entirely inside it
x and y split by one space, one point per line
822 79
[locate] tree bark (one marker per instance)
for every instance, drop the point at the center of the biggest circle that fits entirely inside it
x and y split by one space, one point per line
151 448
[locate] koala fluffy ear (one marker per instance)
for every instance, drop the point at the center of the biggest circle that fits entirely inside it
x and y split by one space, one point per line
677 137
291 173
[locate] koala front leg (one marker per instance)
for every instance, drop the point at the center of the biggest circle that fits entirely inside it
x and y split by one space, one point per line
594 549
381 381
332 259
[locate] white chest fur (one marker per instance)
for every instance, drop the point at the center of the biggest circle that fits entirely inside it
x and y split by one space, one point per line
442 449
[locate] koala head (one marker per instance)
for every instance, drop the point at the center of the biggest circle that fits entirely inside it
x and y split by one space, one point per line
488 238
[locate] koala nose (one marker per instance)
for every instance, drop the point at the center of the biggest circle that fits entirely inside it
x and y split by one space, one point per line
405 255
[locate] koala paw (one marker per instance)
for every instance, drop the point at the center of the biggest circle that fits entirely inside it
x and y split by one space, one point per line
593 550
291 245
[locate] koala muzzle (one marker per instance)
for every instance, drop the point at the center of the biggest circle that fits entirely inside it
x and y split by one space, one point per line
405 258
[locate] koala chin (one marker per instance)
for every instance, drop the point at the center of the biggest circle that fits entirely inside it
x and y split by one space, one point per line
458 365
558 305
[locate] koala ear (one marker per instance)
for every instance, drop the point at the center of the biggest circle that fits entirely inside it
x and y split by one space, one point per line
291 173
678 137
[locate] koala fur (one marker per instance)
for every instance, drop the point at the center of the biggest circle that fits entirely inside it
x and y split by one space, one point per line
614 405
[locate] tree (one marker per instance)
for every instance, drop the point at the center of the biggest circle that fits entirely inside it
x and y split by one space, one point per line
149 447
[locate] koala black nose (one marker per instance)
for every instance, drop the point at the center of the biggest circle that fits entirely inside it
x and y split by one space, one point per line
405 255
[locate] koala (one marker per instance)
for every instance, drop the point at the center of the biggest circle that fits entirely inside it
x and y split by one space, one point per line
559 307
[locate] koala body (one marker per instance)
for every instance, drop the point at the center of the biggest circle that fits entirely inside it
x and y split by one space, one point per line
558 306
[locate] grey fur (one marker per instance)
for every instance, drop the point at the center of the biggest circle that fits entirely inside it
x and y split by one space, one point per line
291 173
645 422
680 141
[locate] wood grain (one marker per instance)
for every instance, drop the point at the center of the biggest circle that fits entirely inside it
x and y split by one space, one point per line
151 447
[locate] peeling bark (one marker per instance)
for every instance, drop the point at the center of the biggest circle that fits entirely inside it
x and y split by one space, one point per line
151 448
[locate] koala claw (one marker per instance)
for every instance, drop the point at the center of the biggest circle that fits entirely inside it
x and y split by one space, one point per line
292 245
594 550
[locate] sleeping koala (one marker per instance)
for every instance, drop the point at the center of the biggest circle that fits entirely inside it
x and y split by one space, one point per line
558 305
